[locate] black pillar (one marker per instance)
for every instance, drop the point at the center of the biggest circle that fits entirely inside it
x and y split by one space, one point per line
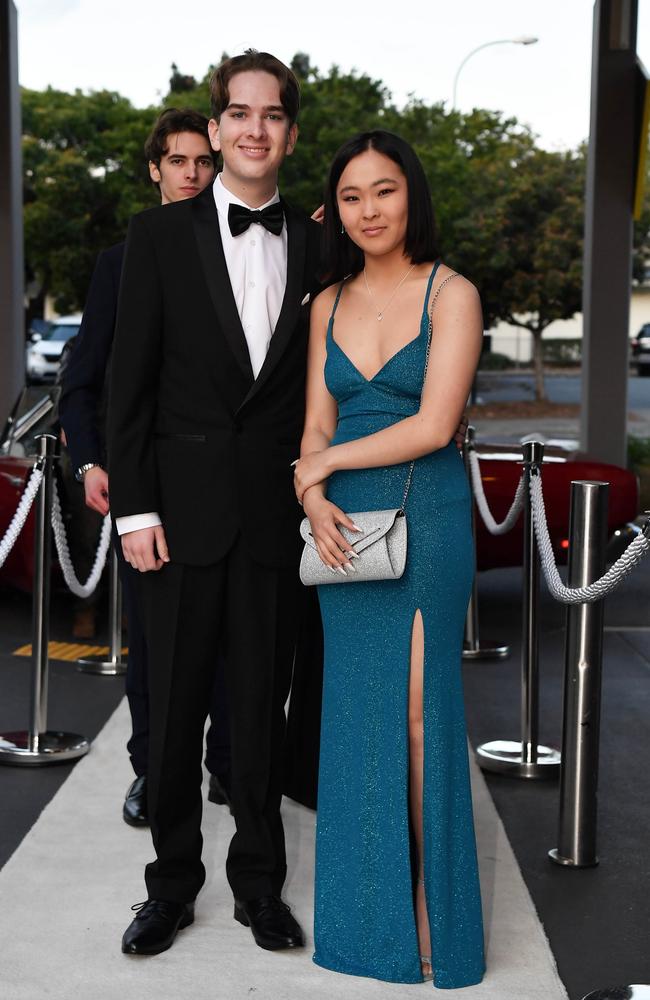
12 335
608 231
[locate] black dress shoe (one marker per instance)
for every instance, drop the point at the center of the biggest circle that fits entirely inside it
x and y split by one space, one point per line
219 790
156 926
271 922
134 810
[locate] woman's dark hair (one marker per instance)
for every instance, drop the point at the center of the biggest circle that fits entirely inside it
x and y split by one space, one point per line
341 256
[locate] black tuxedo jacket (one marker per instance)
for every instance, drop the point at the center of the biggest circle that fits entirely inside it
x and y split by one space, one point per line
192 435
82 403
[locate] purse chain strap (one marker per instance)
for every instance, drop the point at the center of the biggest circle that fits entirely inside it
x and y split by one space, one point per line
426 368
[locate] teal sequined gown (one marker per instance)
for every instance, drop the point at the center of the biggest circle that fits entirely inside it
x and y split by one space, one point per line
364 906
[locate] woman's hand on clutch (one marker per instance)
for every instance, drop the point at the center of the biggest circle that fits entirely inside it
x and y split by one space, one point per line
309 471
324 519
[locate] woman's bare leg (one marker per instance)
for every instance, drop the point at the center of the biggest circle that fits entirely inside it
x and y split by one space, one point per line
416 766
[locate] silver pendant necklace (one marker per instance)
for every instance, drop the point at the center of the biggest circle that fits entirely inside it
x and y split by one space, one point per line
380 312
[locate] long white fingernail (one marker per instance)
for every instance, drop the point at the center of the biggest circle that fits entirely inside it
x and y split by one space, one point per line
351 567
352 555
355 527
341 570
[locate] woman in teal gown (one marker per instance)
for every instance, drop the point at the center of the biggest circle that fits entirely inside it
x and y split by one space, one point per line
397 893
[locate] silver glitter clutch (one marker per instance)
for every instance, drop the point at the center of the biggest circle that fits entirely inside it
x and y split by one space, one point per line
382 541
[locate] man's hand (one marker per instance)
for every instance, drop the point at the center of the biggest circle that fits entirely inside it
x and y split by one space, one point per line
145 549
459 436
96 490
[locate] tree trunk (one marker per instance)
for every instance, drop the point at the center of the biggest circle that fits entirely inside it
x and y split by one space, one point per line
538 361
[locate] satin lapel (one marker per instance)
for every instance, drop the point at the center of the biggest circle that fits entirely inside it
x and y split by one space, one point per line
208 237
296 247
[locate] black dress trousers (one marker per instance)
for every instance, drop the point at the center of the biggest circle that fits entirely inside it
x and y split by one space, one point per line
248 610
217 741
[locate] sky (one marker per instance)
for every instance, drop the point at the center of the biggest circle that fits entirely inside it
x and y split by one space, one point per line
414 48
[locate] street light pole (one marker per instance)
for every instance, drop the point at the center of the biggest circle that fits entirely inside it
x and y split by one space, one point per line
523 40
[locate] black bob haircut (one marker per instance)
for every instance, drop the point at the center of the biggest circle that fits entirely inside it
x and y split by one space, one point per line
342 257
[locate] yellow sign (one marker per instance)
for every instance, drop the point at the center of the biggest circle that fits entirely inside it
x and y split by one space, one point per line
68 651
643 99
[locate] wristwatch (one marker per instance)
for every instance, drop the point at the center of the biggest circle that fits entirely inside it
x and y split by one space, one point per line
83 469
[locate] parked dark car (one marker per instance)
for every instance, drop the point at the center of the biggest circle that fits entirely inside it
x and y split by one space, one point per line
641 350
500 472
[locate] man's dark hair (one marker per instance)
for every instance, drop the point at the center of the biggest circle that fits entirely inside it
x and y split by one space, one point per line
170 122
262 62
342 257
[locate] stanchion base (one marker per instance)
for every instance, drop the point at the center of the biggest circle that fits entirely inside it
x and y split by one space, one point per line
487 649
97 664
638 992
506 757
559 859
46 748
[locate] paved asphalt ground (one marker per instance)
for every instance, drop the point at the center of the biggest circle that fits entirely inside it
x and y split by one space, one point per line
501 387
508 387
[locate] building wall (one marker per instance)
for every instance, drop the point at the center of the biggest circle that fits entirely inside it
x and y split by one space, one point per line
517 343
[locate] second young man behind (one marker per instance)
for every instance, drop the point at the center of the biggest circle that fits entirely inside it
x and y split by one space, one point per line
181 164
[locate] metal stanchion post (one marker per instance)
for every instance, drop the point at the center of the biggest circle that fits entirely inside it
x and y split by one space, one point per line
116 662
473 647
39 745
526 758
582 681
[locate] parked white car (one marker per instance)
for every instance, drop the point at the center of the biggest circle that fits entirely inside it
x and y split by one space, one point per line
44 350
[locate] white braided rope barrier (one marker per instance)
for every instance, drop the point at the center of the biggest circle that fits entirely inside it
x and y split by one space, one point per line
481 501
63 551
22 510
633 554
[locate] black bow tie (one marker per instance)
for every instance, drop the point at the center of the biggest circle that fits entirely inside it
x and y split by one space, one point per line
240 218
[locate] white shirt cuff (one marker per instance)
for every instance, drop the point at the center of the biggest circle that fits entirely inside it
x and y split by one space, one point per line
134 522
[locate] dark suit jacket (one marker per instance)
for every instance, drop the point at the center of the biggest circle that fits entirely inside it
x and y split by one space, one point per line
192 434
81 406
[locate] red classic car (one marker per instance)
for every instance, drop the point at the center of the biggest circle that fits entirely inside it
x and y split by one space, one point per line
500 472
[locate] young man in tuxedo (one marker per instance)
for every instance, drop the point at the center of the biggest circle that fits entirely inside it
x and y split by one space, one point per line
206 416
181 164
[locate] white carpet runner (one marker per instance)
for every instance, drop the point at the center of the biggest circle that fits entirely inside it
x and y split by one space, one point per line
66 891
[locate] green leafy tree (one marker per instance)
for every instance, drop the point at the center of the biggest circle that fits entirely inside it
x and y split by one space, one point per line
469 161
180 83
524 244
186 92
509 215
84 176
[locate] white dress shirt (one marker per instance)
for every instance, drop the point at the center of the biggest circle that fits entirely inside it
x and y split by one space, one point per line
257 268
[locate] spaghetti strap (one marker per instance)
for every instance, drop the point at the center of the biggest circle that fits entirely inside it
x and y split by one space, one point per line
434 271
330 323
336 300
